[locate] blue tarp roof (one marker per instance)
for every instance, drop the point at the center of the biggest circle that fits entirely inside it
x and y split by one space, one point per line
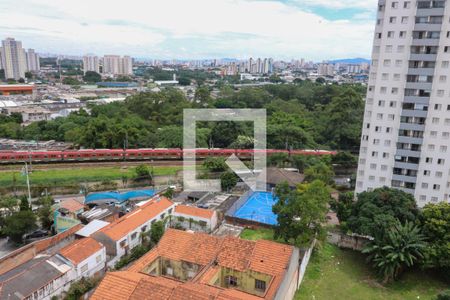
117 196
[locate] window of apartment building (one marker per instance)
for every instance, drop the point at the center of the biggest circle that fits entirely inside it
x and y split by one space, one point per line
431 147
359 184
398 63
373 166
372 178
440 161
363 149
434 199
392 103
260 285
448 33
445 64
382 179
84 268
394 4
376 141
423 198
383 90
387 62
374 154
390 34
385 155
442 78
443 148
377 128
394 91
429 160
379 21
402 34
98 259
404 20
388 129
446 48
385 76
400 49
396 77
426 172
375 62
378 35
361 173
447 121
437 106
446 135
438 174
369 100
436 187
381 103
376 49
379 116
424 185
435 120
440 93
391 117
231 280
392 20
134 235
387 142
433 133
407 4
362 161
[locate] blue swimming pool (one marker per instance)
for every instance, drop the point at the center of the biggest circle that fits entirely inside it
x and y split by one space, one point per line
118 196
258 207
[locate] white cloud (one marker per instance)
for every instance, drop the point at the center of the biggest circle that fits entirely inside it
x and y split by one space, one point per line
341 4
230 28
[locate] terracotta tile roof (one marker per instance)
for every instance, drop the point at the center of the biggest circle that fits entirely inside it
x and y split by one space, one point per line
117 286
194 211
71 205
212 253
80 250
44 244
136 218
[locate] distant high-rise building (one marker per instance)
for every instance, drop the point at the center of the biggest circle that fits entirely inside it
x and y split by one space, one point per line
405 142
91 63
32 61
13 59
116 65
326 69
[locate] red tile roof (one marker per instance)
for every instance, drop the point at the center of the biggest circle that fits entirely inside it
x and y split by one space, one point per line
122 226
71 205
194 211
80 250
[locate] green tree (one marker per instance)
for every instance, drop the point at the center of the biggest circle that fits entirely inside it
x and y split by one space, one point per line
343 206
436 227
377 210
397 249
71 81
92 77
319 171
344 159
24 204
184 81
45 212
143 171
301 212
156 231
18 224
28 75
228 180
215 164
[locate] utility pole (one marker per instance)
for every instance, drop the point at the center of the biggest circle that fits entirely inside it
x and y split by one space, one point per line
28 182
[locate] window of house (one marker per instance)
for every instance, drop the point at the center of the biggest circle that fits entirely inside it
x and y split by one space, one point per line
144 228
231 280
260 285
84 268
162 216
122 243
134 235
98 259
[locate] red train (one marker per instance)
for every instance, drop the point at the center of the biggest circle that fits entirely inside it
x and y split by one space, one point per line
134 154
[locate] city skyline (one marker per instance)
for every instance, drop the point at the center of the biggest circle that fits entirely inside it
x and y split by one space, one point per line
195 30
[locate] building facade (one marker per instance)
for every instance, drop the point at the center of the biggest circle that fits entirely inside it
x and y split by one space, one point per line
91 63
406 130
33 64
116 65
14 60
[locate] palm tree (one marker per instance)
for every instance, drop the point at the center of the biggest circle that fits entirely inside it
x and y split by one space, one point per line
399 248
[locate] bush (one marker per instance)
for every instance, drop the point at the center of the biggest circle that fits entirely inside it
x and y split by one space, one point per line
79 288
445 295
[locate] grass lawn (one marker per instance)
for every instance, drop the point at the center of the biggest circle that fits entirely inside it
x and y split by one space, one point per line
343 274
258 234
77 175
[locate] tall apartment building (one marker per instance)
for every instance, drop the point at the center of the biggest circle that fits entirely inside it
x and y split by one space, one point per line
13 57
406 131
116 65
33 63
91 63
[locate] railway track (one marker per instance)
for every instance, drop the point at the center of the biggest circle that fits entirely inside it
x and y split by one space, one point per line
90 164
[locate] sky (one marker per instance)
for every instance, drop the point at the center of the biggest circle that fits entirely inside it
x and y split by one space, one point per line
193 29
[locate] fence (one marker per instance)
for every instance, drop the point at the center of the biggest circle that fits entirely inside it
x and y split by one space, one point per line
348 241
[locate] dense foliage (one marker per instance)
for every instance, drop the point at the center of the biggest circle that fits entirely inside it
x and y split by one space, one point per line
304 115
377 210
301 212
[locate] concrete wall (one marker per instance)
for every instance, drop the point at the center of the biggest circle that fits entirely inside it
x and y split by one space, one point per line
238 204
94 267
289 284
